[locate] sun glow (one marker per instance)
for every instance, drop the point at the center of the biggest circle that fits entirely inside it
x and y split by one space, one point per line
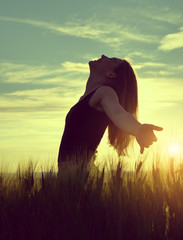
174 149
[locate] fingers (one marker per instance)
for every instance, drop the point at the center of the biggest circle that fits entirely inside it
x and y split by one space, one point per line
156 128
146 136
154 138
141 150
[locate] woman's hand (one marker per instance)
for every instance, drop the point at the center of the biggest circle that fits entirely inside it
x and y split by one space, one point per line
145 135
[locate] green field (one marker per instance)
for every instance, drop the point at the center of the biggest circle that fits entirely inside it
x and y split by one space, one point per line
85 203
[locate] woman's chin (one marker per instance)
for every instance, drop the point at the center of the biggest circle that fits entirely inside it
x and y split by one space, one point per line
91 63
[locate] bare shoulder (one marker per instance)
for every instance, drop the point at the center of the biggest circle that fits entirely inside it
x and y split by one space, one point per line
103 94
107 94
105 89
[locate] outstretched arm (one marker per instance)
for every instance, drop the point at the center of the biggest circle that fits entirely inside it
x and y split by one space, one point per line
124 120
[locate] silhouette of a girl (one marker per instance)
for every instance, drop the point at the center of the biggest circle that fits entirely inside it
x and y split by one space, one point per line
110 100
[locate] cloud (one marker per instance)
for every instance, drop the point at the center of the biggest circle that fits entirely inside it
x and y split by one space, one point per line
162 14
69 78
172 41
75 67
160 93
109 32
39 100
150 64
47 98
158 70
73 29
23 73
142 55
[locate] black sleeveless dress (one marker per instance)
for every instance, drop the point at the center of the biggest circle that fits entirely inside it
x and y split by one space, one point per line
84 128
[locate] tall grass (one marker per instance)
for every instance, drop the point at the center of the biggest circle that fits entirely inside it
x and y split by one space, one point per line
82 203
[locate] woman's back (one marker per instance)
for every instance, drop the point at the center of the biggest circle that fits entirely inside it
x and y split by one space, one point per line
84 128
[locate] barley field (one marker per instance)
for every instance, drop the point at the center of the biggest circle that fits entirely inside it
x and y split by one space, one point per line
83 203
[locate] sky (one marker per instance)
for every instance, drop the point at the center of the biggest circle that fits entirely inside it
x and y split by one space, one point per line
45 47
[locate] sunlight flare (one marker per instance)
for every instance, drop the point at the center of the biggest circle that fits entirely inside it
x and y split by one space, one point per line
174 149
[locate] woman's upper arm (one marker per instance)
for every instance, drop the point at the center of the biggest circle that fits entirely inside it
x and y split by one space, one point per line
109 102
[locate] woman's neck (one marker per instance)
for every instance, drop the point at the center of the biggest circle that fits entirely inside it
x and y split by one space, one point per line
92 85
95 81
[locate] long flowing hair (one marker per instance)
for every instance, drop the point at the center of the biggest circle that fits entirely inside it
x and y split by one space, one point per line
125 86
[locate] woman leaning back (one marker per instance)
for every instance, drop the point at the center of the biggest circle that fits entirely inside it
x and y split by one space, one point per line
110 100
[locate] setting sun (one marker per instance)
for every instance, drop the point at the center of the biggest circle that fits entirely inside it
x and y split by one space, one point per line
174 149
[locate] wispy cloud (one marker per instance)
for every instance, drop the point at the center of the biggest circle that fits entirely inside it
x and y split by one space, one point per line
74 75
142 55
75 67
59 99
47 98
23 73
172 41
158 70
150 64
162 14
38 100
160 93
43 99
111 33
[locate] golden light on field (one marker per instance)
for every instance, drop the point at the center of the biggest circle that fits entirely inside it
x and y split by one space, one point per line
174 149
